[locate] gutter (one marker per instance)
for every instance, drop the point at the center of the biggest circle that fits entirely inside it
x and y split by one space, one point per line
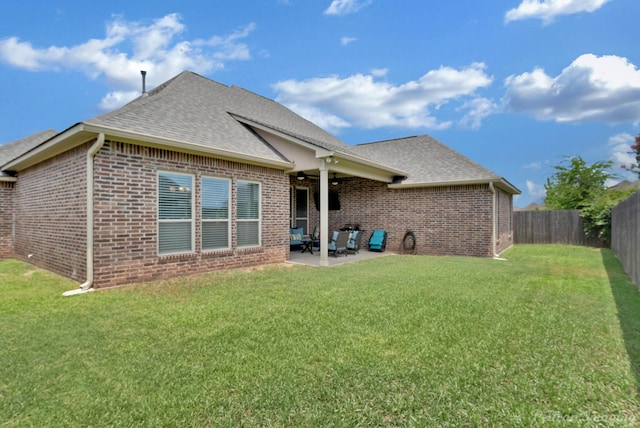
81 132
87 286
501 182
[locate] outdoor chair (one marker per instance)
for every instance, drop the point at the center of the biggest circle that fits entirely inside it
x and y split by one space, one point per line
338 244
378 240
353 246
296 236
315 237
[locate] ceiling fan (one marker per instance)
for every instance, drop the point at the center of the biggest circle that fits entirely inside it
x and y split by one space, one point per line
302 176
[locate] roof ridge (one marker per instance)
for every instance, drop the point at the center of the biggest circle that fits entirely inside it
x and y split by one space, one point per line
389 140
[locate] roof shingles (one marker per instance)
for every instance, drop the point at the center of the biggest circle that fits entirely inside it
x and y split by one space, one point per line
427 160
11 151
191 108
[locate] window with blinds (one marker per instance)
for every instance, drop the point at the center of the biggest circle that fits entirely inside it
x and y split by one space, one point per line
175 213
216 230
248 214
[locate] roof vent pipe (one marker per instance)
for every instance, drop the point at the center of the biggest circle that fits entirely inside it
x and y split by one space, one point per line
144 81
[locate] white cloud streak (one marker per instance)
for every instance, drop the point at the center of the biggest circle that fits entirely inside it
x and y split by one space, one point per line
591 89
127 48
344 41
362 101
477 110
536 190
345 7
620 147
549 10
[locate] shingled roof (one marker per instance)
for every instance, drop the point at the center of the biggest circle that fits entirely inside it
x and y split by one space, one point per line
429 162
202 114
10 151
196 110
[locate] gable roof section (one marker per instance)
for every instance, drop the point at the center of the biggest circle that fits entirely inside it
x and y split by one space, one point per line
430 163
193 113
10 151
190 109
194 109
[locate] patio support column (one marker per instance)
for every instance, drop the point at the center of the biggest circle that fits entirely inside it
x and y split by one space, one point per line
324 214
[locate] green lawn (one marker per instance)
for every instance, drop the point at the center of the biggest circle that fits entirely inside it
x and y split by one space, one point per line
550 337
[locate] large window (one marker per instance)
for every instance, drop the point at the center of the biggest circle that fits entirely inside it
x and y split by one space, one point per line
248 214
175 213
216 233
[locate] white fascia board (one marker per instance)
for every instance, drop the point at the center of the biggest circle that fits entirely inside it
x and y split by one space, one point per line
8 179
499 182
320 152
38 153
357 159
186 146
83 131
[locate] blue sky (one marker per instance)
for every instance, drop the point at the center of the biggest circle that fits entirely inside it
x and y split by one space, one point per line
515 85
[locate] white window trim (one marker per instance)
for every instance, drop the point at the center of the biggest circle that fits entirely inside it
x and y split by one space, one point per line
193 214
229 214
259 219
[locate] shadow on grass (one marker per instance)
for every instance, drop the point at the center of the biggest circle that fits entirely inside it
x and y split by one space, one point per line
627 298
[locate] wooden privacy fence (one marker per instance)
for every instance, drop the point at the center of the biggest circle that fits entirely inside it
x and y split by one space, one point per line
551 227
625 235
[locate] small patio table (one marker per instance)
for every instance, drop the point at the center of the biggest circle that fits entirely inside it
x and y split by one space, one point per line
307 245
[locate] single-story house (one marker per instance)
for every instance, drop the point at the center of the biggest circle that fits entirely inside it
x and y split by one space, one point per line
196 176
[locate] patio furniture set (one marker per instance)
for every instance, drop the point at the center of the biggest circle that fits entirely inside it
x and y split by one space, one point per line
342 242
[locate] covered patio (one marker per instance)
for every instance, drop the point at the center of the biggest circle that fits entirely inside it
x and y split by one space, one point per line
306 258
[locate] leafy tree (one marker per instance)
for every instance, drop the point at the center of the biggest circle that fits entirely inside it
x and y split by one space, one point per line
597 214
576 185
579 186
635 150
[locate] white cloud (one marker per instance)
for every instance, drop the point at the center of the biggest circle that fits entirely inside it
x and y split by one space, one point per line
116 99
477 110
620 146
548 10
127 48
379 72
536 190
326 121
592 88
361 100
345 7
346 40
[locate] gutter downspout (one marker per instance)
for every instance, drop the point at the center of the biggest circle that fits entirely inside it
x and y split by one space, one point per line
494 221
87 285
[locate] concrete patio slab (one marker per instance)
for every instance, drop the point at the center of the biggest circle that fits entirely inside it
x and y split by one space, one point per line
297 257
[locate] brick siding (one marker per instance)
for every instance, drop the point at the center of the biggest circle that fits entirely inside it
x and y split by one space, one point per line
49 204
447 220
126 215
6 219
50 214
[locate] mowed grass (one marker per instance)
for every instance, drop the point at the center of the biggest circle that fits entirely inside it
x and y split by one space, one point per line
550 337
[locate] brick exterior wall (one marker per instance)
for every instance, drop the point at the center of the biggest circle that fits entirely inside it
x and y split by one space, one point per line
447 220
49 204
50 213
6 219
126 215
